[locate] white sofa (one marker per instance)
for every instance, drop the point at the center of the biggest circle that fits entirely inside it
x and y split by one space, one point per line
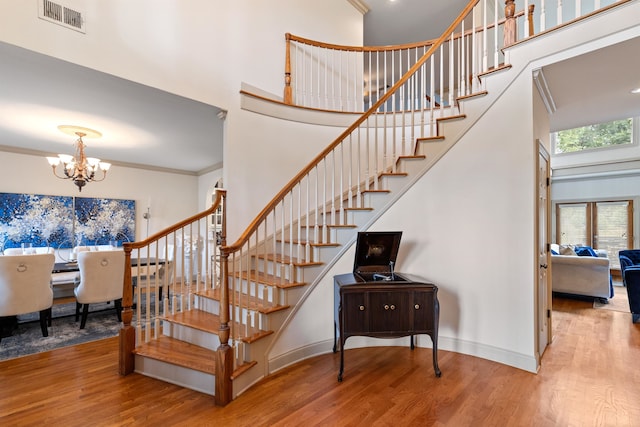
581 275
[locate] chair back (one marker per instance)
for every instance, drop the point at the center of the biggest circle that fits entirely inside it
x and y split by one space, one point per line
101 276
25 283
32 250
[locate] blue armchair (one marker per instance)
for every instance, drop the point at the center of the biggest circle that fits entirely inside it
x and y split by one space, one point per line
632 279
630 270
628 258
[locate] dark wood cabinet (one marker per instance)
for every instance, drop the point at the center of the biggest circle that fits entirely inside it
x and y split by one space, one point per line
384 309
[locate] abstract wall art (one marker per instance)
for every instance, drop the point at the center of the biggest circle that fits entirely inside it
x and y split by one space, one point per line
64 222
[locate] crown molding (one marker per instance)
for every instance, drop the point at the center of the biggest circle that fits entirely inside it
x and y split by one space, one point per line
360 5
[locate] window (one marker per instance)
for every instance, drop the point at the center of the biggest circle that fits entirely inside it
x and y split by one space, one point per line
602 225
602 135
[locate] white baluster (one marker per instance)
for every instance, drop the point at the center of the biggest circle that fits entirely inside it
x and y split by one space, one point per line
496 49
526 24
543 16
559 13
485 44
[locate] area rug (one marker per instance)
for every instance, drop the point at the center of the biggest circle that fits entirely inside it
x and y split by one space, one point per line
619 302
26 338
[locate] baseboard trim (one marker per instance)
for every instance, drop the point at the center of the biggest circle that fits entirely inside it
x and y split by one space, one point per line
506 357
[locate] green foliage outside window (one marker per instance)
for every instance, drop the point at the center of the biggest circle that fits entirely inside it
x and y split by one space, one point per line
600 135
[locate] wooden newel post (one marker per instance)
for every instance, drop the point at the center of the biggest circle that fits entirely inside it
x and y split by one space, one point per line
127 336
509 23
530 18
287 98
224 353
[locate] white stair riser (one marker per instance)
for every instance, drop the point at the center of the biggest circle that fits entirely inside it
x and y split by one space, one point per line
184 377
191 335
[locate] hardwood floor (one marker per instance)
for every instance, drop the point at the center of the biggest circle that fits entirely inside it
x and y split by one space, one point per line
590 377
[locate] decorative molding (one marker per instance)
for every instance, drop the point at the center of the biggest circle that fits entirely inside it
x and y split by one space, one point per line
360 5
484 351
543 89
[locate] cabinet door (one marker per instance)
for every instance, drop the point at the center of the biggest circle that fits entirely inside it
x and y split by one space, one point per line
423 306
354 313
389 311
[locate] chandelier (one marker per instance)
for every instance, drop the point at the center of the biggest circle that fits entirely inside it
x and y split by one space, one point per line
79 168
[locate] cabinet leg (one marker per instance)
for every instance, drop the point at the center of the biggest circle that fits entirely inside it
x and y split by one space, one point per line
412 346
341 362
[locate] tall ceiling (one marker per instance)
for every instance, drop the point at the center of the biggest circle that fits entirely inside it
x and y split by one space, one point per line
588 89
139 124
145 126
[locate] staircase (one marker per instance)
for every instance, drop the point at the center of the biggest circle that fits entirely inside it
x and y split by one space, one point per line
195 339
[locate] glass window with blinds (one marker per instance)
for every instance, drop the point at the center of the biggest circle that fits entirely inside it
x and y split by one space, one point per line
604 225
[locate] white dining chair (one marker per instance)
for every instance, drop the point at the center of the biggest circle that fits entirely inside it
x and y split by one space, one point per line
101 279
31 251
25 286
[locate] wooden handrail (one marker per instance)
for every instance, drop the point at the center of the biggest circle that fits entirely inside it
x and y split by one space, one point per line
293 182
329 48
127 336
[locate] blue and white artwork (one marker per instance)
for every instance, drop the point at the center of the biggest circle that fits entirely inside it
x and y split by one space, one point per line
63 222
99 221
38 219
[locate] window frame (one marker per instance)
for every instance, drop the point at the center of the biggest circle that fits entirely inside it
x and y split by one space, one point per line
635 138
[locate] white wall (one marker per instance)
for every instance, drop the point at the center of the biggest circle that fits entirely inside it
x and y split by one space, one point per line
203 50
170 197
467 227
469 224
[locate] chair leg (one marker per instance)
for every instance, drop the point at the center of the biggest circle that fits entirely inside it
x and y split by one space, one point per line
118 304
85 313
78 307
43 322
49 315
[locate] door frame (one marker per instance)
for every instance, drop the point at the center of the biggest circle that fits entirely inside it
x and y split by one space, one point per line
543 266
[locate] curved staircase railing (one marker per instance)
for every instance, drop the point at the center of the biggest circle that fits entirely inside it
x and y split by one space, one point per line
284 246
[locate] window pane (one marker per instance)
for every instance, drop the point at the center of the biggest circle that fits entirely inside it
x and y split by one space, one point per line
612 228
572 224
600 135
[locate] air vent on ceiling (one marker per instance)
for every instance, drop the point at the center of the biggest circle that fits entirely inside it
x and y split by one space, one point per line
61 15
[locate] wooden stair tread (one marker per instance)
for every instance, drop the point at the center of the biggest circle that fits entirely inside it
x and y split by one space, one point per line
358 209
305 242
393 174
430 138
414 157
251 302
266 279
453 117
377 191
242 369
472 95
285 259
181 353
209 322
341 225
501 67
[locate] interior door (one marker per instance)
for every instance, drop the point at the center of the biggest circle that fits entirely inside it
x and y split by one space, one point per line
543 296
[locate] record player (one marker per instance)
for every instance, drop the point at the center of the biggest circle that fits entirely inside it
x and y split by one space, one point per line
376 301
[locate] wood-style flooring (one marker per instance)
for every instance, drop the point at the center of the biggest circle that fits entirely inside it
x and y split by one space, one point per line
590 376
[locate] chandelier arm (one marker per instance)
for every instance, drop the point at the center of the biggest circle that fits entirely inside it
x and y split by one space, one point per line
55 173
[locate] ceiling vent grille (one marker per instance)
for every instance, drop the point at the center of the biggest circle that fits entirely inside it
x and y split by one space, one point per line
61 15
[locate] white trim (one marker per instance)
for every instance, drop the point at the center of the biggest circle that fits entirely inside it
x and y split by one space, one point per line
360 5
494 354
